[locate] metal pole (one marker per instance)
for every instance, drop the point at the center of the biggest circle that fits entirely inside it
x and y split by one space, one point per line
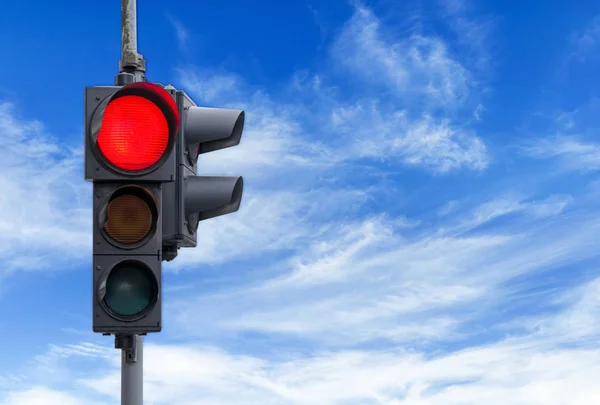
132 368
132 65
129 31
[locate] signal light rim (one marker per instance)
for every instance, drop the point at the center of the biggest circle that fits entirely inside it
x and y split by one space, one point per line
153 93
151 304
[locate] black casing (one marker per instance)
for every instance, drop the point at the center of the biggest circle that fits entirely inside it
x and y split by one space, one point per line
106 255
175 228
183 103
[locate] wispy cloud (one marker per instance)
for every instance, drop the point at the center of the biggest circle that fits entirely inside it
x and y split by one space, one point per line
585 42
181 31
40 395
572 153
534 368
418 66
368 280
425 142
422 87
45 206
316 123
270 221
209 86
473 31
355 281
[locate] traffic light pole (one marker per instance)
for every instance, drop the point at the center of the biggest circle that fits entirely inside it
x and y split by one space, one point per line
132 65
132 368
132 68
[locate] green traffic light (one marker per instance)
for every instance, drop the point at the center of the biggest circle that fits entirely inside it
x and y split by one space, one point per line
130 289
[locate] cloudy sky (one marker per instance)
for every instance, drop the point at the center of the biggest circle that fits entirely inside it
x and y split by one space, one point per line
421 217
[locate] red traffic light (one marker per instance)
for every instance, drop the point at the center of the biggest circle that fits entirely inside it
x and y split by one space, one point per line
139 125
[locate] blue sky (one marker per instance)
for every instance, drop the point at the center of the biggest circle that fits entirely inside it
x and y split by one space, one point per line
420 223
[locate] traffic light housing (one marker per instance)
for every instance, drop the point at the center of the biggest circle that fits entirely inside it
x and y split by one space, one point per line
142 147
191 198
130 137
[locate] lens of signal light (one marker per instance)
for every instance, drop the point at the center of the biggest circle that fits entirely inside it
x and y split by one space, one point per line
130 289
134 134
130 215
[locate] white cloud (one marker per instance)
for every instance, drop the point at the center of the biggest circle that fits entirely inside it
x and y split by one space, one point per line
473 33
273 143
40 395
417 66
572 153
368 280
425 142
533 369
210 87
469 218
186 373
478 112
585 42
44 204
276 139
314 127
47 378
578 322
267 222
419 81
181 32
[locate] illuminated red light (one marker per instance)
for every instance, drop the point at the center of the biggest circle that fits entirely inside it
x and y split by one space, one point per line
134 134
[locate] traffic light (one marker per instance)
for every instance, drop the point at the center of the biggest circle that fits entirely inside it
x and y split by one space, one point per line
130 138
142 145
191 198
